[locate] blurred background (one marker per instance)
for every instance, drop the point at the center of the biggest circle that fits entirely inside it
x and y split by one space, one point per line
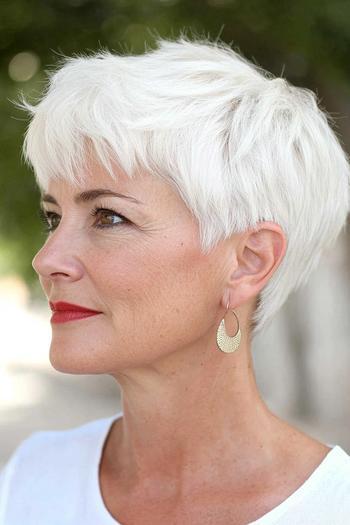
302 360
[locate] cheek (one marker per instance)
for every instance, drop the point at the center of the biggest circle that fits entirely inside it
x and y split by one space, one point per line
158 275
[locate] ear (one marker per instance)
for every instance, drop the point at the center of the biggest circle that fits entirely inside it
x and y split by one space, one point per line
259 252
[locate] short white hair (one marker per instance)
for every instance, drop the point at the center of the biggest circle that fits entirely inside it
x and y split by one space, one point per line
239 145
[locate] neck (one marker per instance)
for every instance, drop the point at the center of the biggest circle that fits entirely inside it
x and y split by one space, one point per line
186 418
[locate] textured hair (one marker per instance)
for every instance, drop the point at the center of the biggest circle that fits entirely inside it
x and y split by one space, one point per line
239 145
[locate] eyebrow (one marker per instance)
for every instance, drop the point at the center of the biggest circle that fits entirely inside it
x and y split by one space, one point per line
90 195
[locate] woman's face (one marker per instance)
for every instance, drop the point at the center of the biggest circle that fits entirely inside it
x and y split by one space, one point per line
157 293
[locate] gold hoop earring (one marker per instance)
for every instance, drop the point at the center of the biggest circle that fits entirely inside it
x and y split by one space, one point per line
225 342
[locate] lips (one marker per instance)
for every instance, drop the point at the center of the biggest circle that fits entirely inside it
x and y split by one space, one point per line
61 306
64 312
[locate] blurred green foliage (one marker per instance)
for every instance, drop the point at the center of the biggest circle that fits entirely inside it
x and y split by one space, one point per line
307 41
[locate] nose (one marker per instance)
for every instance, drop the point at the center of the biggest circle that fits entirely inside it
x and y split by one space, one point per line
58 259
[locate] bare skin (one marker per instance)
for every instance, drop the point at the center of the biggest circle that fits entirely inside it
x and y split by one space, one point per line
244 460
238 503
196 444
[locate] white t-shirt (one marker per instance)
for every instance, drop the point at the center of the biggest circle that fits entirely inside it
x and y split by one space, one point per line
52 479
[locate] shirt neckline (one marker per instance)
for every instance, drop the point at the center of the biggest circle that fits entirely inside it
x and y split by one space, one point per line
98 505
331 462
268 518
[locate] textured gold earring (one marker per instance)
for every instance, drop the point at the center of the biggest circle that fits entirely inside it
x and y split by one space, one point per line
226 343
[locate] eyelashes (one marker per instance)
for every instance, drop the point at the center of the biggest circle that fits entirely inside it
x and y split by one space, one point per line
47 217
104 214
105 218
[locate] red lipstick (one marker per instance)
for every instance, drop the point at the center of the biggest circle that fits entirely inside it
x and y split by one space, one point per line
64 312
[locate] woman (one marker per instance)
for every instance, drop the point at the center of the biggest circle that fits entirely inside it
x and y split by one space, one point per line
186 192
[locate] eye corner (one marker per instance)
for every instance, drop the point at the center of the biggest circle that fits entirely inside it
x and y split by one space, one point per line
46 217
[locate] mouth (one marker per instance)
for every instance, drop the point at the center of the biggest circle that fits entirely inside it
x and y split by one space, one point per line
63 312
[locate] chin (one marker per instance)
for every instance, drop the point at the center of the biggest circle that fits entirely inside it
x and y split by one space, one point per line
73 358
63 361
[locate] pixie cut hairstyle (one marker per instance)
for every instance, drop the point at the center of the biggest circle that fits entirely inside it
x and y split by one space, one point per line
239 145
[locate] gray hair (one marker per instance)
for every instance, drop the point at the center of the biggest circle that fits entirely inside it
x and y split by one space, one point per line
239 145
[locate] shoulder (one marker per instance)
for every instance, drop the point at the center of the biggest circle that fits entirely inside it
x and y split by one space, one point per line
47 466
56 444
325 497
339 470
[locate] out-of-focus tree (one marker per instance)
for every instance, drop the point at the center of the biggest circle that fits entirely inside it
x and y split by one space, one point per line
306 41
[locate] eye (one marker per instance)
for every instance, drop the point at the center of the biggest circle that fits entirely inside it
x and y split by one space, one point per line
50 219
107 218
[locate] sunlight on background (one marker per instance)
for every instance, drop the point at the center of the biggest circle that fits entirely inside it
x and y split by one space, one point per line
23 66
33 395
26 336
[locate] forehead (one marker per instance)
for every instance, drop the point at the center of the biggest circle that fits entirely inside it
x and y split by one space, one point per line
142 188
91 174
